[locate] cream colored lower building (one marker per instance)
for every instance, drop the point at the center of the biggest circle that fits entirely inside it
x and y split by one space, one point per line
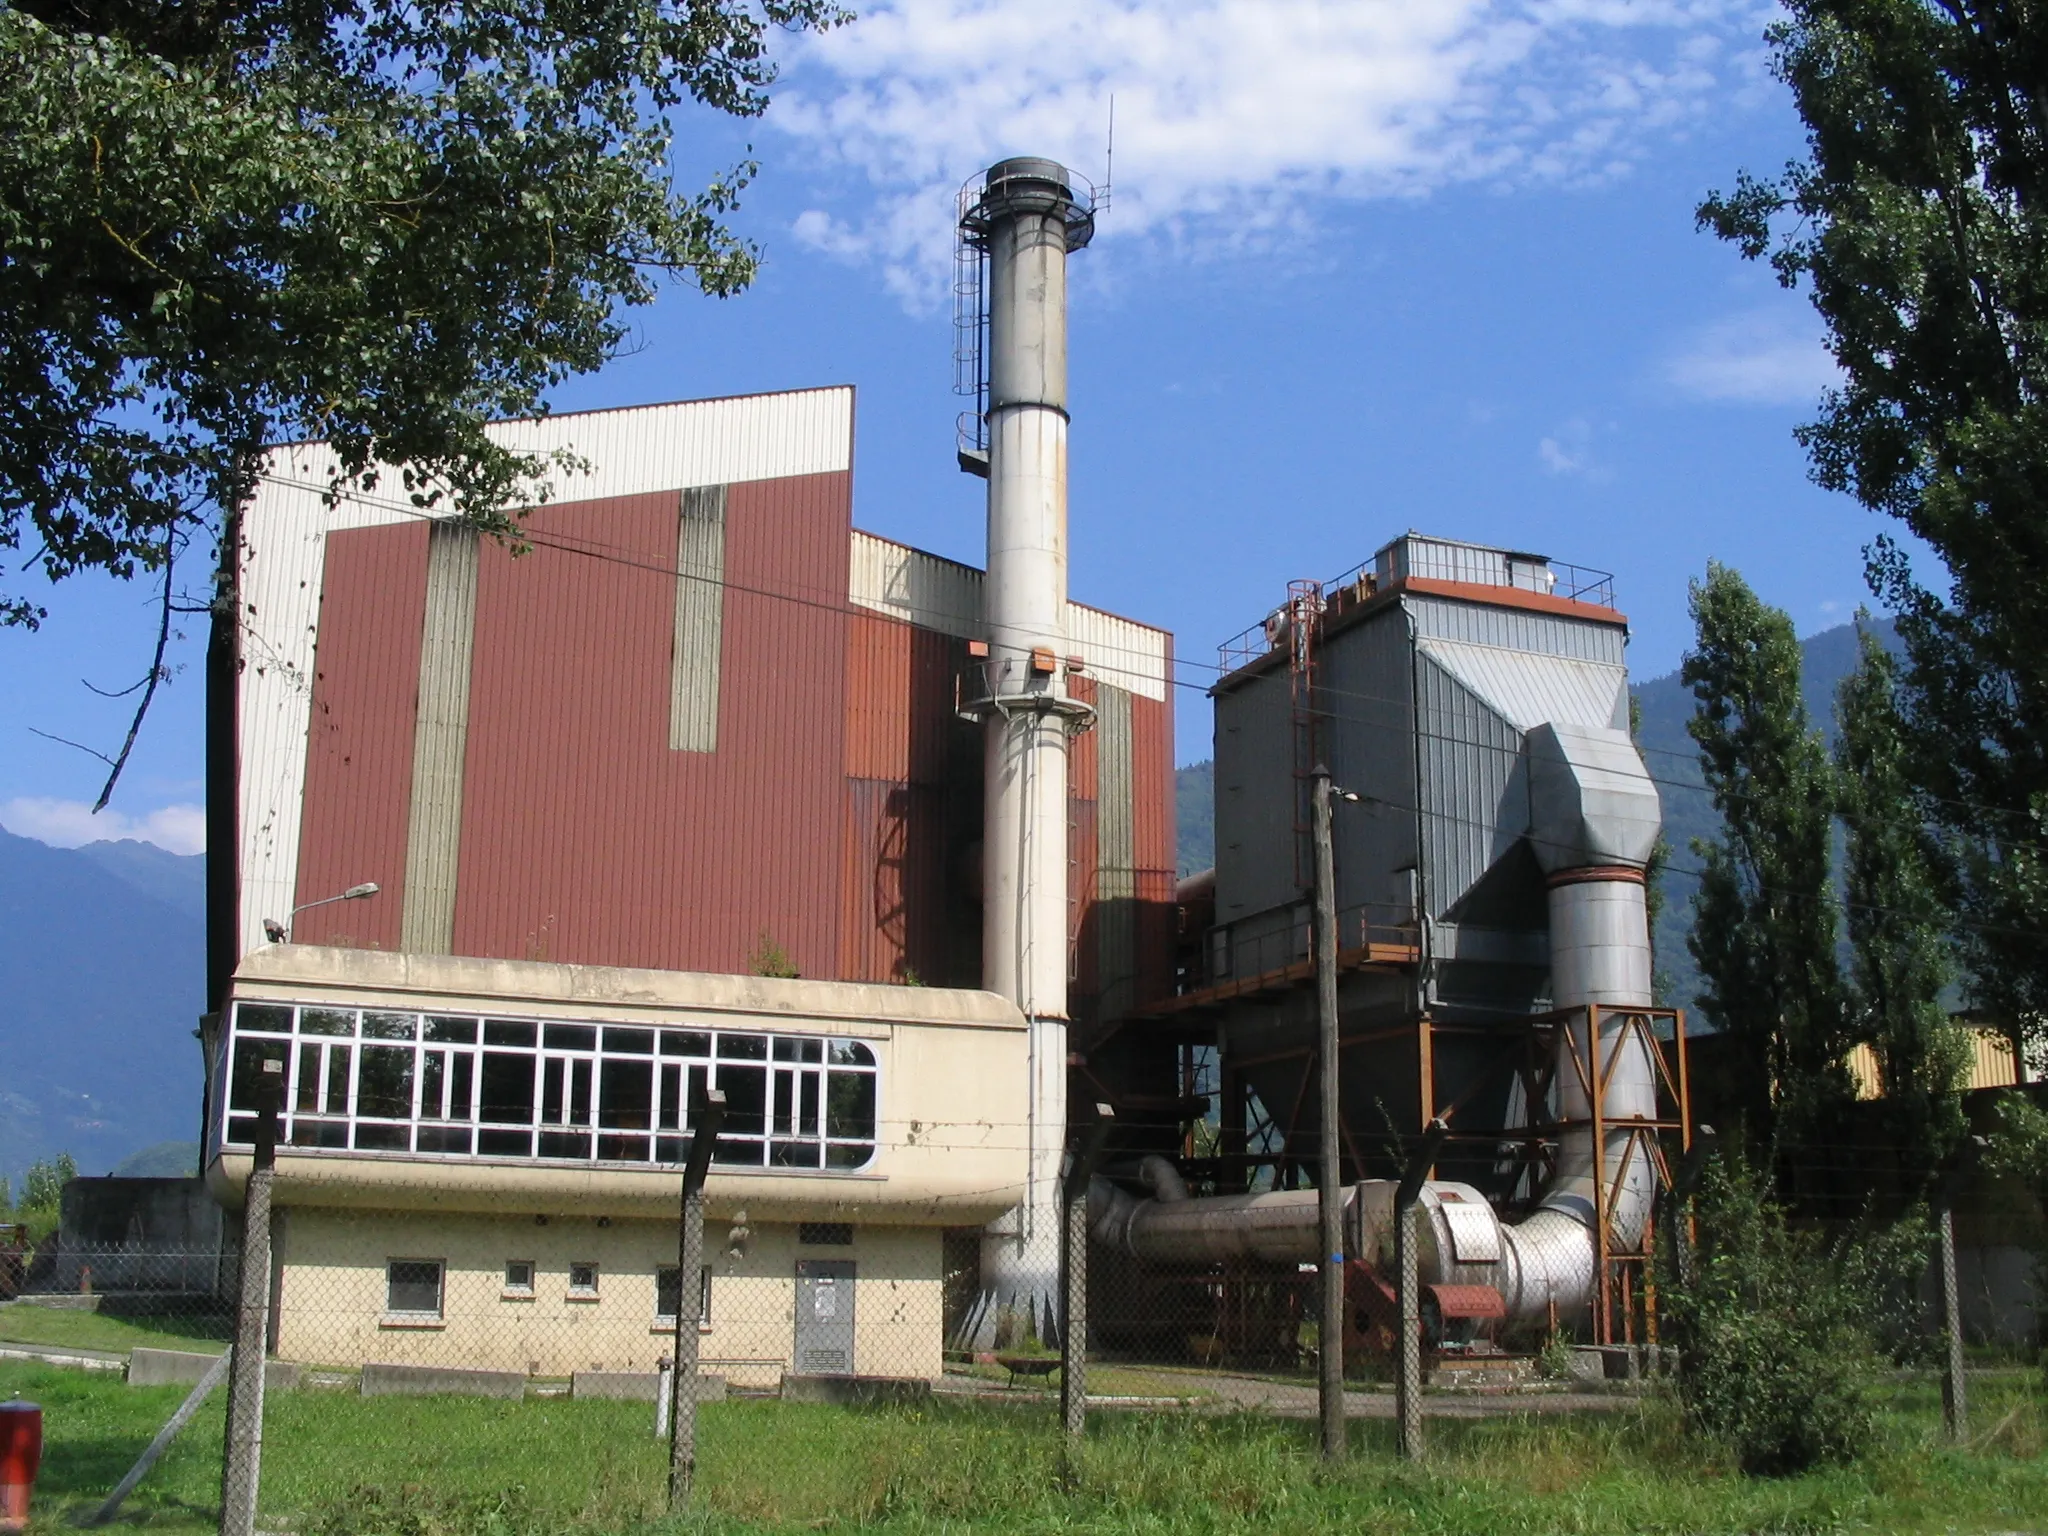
480 1159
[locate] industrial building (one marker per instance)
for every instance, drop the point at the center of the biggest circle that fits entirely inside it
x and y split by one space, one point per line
1493 953
703 787
699 727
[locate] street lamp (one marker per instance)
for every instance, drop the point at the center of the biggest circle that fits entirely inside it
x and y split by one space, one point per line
278 932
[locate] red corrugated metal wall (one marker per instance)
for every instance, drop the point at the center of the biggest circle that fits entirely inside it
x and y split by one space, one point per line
840 813
584 837
1155 841
358 791
908 906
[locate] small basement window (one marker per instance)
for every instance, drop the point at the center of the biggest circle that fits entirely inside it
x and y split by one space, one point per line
412 1288
666 1292
583 1282
519 1277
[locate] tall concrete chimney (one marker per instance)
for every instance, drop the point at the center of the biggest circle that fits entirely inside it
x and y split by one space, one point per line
1024 222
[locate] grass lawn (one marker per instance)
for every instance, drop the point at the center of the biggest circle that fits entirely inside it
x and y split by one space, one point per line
336 1464
21 1324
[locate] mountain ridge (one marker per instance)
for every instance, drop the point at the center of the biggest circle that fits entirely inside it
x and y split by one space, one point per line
102 960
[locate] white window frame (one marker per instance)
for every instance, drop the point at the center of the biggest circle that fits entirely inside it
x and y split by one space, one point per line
399 1317
338 1059
665 1322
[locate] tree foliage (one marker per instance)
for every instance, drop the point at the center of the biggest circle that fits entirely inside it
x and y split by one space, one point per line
1896 917
44 1185
1764 929
381 224
1771 1326
1918 224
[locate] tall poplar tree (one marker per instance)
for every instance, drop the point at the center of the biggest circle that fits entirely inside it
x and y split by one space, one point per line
1897 920
1764 929
1918 225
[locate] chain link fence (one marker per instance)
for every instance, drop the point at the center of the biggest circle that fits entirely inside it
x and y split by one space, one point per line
358 1311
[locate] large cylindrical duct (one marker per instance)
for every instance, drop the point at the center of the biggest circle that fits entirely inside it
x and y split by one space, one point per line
1599 954
1594 820
1027 219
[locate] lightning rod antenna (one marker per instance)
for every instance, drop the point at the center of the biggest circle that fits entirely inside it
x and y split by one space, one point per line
1108 157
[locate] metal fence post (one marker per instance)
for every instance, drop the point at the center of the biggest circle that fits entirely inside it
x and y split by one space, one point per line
1074 1332
1408 1370
1955 1395
1955 1403
682 1418
241 1461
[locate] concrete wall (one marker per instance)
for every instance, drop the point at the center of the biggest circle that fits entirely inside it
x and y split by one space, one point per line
138 1235
332 1299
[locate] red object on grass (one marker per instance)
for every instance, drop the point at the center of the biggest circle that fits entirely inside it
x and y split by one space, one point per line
21 1453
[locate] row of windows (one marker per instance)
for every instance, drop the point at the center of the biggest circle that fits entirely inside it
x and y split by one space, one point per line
415 1290
453 1085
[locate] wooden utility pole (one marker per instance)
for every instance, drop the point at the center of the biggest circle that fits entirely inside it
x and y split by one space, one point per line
1329 1182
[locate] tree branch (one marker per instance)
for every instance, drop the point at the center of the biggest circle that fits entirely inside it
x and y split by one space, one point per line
156 674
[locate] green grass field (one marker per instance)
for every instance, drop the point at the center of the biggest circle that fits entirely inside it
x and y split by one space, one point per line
339 1465
89 1330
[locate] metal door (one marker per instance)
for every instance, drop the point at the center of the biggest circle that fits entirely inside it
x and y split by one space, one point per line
824 1317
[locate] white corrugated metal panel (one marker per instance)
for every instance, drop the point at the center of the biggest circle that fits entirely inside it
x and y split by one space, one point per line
935 593
1418 555
1120 652
1517 629
693 442
285 526
700 621
908 584
1526 689
1473 790
440 738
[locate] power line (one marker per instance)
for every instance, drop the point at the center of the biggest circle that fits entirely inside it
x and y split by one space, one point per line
614 554
601 550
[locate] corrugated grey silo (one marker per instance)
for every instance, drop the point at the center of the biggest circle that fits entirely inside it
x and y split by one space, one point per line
1432 667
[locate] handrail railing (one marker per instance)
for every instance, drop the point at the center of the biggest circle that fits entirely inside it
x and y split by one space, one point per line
1573 583
1227 956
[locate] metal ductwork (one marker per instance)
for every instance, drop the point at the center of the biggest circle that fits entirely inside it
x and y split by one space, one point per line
1594 819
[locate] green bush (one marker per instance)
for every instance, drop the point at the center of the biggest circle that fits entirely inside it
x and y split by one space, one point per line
41 1196
1772 1326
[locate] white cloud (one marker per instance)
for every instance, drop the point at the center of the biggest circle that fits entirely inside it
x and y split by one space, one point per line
1234 116
1569 451
1763 357
71 823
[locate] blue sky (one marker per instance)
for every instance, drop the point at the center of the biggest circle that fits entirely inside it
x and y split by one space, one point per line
1369 265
